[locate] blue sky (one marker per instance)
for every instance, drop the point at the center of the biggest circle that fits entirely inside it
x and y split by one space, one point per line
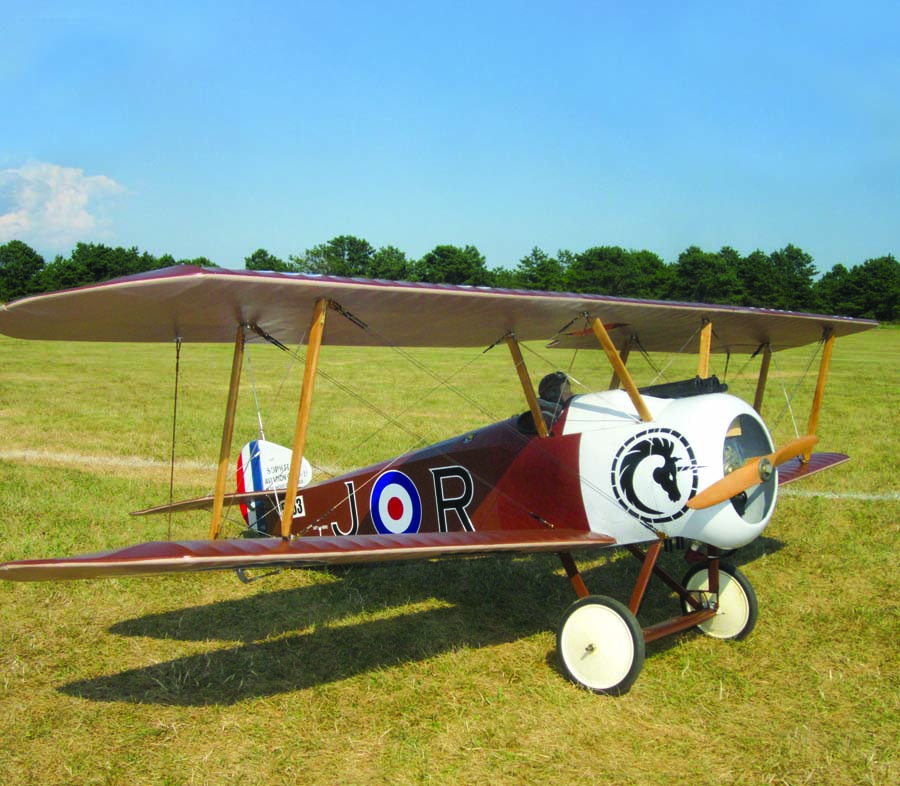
218 128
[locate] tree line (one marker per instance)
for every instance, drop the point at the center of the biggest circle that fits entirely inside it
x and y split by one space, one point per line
784 279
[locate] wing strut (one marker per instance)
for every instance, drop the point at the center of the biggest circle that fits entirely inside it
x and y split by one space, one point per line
762 378
227 432
820 388
705 348
530 397
316 332
623 354
619 368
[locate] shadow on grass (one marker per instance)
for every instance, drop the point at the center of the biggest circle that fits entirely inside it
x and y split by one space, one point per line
371 618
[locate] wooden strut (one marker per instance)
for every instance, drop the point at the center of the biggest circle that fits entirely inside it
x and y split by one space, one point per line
237 361
820 390
316 333
640 586
762 379
574 575
620 371
693 618
623 355
705 349
530 396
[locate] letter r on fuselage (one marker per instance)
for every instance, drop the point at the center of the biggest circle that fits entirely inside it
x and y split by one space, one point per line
442 477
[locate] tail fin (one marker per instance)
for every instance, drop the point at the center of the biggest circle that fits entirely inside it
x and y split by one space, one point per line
264 466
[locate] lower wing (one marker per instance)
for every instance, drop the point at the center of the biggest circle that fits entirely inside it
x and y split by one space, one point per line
796 468
186 556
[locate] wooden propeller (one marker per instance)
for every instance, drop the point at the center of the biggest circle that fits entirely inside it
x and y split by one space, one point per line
754 470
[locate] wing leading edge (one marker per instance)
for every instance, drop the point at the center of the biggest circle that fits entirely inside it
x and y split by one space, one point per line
190 556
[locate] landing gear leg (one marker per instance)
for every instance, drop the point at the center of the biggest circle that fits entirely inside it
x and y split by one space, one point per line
736 605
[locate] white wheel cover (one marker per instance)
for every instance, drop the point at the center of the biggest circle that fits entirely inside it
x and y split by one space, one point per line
597 646
734 608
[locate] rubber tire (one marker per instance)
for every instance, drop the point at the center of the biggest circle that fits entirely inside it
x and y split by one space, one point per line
600 645
738 606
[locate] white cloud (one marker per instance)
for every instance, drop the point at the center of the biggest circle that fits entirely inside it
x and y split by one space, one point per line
53 206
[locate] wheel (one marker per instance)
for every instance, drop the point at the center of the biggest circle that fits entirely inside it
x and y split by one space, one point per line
738 607
601 645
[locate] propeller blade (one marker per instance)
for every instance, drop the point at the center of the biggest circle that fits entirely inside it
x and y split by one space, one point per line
755 470
730 486
794 448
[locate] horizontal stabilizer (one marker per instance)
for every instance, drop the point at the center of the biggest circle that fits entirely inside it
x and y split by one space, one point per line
796 468
188 556
206 503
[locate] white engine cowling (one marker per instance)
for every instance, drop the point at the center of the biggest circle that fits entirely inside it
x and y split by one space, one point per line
637 477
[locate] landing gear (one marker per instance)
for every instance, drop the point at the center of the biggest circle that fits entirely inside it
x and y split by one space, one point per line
601 645
600 642
737 608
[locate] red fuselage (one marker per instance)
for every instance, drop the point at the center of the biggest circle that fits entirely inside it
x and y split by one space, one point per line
497 477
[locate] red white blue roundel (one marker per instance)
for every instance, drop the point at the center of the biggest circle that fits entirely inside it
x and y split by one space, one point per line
395 505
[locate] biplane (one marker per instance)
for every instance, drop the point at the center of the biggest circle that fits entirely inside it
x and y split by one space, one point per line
630 467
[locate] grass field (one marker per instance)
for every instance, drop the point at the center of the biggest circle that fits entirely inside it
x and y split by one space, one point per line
430 672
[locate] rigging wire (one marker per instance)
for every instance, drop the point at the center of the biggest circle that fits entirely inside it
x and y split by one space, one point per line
393 420
551 364
293 354
661 372
259 419
788 410
389 419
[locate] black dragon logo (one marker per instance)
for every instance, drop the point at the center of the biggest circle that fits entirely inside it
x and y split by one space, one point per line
677 460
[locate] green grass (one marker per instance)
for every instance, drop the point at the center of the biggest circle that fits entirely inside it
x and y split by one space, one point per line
419 673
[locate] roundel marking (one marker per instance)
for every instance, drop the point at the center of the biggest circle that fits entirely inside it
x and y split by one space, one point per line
654 474
395 504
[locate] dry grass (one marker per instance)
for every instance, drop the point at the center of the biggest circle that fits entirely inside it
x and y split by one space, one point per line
422 673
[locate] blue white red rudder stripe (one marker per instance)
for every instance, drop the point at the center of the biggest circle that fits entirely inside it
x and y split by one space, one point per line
264 466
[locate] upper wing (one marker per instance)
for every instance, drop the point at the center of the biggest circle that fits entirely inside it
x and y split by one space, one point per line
187 556
208 304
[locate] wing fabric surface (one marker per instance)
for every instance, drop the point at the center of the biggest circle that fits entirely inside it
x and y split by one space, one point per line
796 468
208 304
188 556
